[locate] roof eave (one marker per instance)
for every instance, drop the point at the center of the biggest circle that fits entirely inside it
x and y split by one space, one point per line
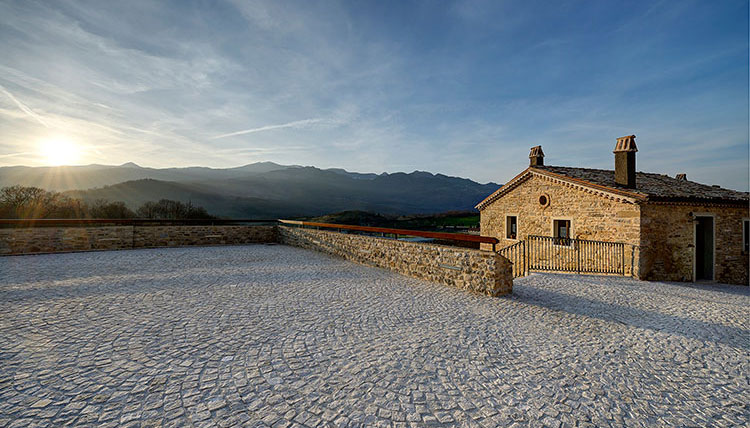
619 194
632 196
497 193
698 201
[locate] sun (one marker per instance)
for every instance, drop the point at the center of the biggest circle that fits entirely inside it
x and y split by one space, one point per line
59 151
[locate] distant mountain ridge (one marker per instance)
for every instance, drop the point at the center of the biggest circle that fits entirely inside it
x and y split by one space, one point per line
263 189
62 178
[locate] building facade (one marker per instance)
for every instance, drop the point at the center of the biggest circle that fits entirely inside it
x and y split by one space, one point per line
673 229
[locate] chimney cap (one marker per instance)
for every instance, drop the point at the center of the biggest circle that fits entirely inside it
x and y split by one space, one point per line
626 144
536 151
682 177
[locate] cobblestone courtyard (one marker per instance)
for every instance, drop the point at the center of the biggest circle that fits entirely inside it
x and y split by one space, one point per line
269 335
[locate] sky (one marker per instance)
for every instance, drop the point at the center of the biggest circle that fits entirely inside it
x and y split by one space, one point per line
462 88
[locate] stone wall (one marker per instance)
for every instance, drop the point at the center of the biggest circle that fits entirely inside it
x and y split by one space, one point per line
34 240
660 237
468 269
178 236
64 239
668 242
592 217
480 271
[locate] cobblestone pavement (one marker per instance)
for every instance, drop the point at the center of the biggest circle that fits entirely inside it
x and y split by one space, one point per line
270 335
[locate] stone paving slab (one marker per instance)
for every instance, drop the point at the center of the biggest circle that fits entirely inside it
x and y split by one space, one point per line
269 335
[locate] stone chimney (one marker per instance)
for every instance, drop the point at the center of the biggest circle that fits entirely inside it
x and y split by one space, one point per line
536 156
682 177
625 161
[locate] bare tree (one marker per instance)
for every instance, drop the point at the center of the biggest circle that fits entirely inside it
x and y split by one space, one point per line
169 209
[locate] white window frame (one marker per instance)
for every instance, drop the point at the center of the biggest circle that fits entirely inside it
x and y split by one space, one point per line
505 229
570 231
695 245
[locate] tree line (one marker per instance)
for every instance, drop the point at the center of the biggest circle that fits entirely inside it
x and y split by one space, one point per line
32 202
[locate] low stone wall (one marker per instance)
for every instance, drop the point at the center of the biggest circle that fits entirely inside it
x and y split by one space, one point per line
179 236
480 271
37 240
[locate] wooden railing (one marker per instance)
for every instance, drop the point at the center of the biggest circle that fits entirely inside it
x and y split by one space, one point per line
516 253
550 254
546 253
459 237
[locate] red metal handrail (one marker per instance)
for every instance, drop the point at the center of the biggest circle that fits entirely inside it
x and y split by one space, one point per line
144 221
407 232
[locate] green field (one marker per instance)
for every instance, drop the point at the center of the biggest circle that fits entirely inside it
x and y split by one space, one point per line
442 221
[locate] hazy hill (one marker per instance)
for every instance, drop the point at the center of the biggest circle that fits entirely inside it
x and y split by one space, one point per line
261 189
61 178
452 220
135 193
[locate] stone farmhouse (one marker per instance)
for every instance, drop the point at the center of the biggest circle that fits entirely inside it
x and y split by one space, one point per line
678 230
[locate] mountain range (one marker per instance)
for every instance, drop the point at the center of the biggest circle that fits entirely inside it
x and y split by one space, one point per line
259 190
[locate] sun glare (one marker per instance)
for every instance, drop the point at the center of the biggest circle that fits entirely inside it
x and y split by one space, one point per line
58 151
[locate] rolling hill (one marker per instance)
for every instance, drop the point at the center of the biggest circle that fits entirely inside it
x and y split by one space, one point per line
62 178
261 189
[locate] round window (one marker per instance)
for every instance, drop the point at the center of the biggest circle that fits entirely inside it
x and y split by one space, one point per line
544 200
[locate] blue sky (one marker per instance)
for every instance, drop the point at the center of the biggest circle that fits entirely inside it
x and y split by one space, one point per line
462 88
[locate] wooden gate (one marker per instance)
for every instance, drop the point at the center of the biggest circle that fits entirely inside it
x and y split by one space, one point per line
550 254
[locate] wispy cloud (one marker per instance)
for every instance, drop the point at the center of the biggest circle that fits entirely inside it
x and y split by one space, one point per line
13 155
463 89
26 109
296 124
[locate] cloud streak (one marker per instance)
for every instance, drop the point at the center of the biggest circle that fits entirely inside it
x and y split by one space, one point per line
12 155
463 89
24 108
296 124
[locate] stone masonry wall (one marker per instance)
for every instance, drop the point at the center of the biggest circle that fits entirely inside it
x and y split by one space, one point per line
35 240
178 236
64 239
592 217
480 271
668 246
